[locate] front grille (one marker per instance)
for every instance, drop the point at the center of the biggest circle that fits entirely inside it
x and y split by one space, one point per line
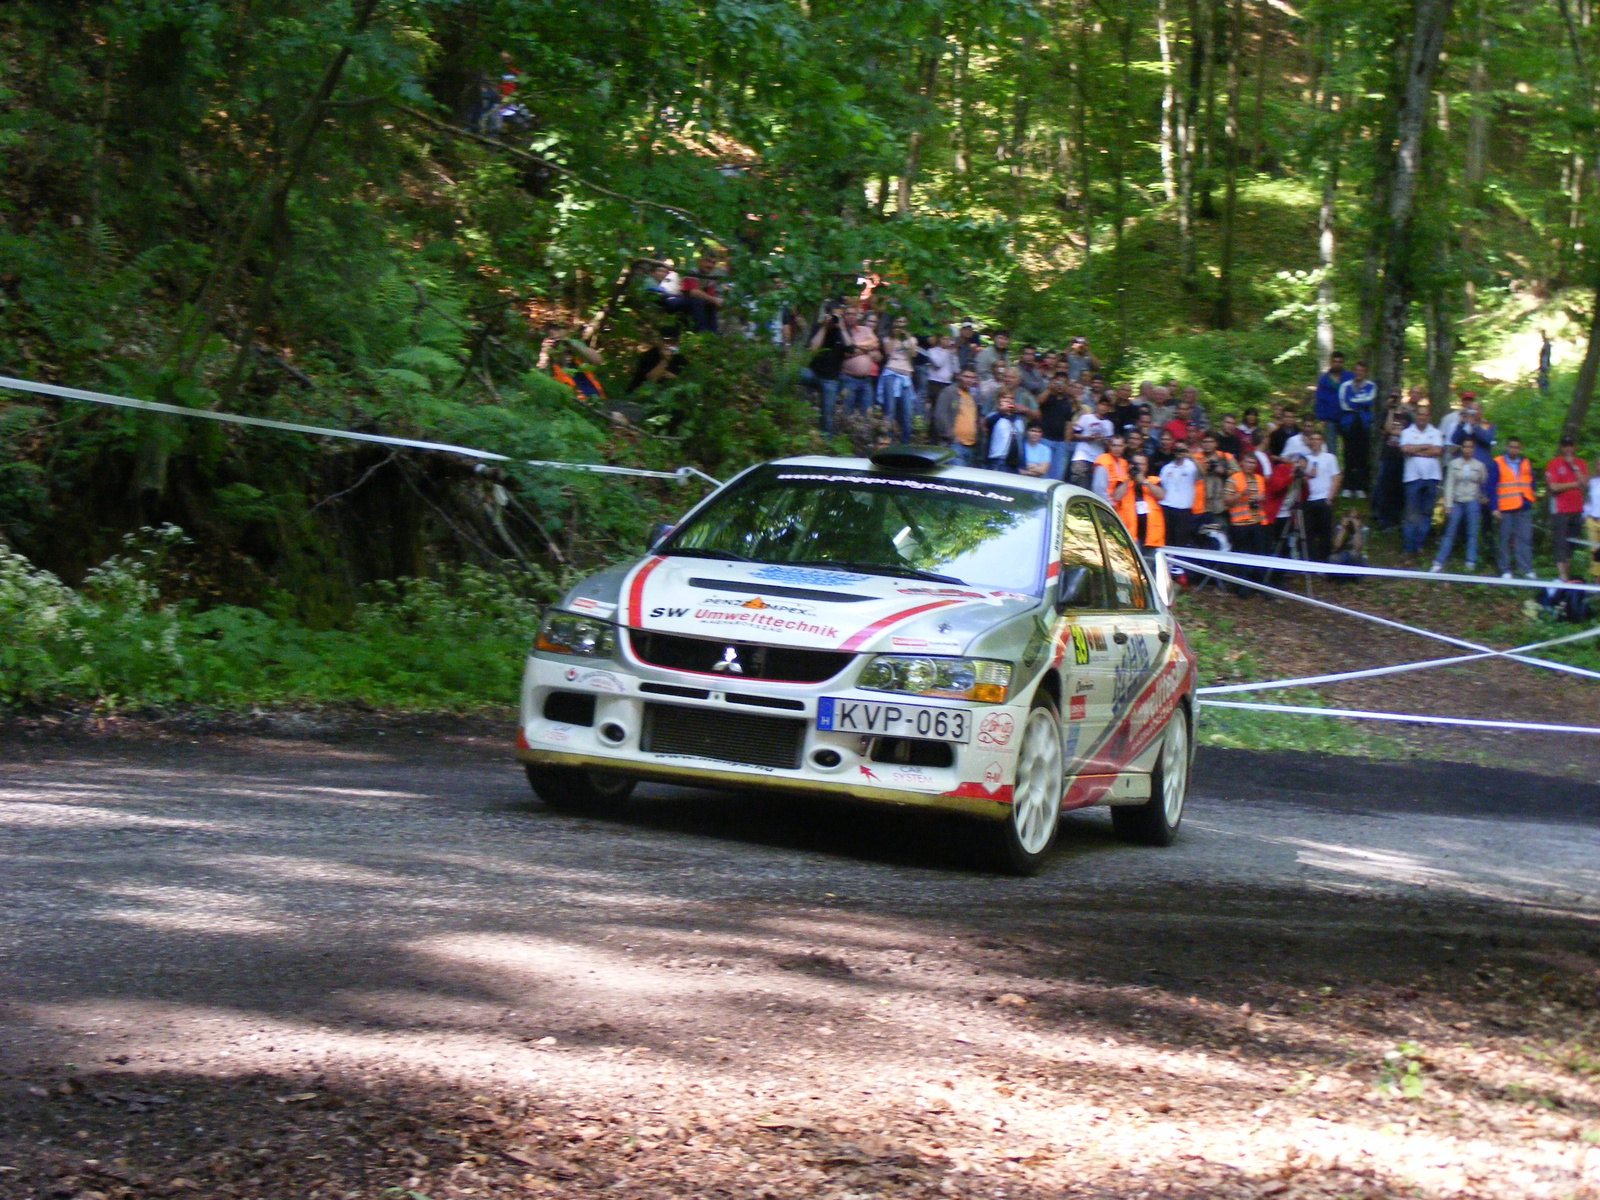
731 737
785 664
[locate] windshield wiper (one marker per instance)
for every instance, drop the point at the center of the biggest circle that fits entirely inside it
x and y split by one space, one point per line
705 552
880 569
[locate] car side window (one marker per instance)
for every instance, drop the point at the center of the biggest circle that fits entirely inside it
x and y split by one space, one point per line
1130 587
1080 547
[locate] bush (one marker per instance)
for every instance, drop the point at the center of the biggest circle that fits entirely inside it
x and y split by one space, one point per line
452 642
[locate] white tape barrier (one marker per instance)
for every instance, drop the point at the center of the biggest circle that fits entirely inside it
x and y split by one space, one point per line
1262 562
681 475
1401 668
1546 663
1525 726
1516 654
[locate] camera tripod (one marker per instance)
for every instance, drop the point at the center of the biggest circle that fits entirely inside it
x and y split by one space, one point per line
1292 540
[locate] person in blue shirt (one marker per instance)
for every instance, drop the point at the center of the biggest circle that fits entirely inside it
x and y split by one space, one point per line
1356 395
1326 409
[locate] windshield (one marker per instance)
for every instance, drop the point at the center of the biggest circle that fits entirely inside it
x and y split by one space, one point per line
948 530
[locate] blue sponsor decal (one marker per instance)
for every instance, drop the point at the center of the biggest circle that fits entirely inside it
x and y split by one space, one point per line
1130 672
825 713
1074 732
808 575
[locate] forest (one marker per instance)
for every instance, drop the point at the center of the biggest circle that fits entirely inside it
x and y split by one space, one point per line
378 215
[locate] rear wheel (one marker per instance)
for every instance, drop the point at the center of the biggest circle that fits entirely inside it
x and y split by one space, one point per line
1155 822
580 792
1021 842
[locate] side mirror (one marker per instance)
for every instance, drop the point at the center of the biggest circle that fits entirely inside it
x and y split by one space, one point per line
1072 588
659 532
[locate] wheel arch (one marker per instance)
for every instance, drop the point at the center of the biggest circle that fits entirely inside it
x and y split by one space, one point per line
1050 684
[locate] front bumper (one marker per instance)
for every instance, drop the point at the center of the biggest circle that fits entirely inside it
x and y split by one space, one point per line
977 780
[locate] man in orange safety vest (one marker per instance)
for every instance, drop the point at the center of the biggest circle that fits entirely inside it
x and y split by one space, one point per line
1511 484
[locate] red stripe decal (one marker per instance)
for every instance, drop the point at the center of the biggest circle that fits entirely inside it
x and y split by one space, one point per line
884 622
636 592
976 791
1053 569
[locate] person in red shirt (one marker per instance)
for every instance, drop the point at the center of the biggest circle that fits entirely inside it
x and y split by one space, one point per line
700 291
1179 425
1567 477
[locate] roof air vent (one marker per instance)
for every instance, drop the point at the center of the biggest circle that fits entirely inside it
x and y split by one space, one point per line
913 458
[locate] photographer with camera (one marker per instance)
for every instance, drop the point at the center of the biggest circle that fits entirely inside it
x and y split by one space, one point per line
827 345
1245 493
1145 494
1216 468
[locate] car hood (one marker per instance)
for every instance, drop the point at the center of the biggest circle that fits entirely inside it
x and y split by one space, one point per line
776 605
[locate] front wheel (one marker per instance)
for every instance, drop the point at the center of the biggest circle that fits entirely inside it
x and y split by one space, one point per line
579 792
1155 822
1022 840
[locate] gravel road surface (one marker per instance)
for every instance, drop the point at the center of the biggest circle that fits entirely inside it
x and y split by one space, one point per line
256 967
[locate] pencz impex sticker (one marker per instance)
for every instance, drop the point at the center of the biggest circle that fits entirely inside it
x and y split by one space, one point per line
996 729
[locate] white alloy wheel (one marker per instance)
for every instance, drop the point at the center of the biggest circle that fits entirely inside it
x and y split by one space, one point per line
1155 822
1175 769
1036 798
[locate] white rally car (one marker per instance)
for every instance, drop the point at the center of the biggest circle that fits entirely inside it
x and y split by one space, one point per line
894 630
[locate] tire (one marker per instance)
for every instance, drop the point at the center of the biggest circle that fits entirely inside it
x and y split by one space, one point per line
578 792
1156 821
1020 843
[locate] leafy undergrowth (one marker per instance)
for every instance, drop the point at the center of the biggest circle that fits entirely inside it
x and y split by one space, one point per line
447 644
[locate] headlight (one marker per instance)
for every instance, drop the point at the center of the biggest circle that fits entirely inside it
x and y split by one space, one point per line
981 679
563 633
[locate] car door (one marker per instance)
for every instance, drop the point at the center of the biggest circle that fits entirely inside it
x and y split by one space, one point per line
1136 637
1084 639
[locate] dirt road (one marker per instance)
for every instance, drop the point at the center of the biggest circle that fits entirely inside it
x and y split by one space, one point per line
252 967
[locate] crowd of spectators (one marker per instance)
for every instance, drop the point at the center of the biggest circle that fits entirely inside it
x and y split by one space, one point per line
1177 473
1181 475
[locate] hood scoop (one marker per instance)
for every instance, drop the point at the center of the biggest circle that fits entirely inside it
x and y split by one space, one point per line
773 589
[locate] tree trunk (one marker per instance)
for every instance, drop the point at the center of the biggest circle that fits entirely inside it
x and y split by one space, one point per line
927 81
1189 266
1169 178
1478 122
1230 196
1258 132
1213 35
97 169
1327 215
961 109
1583 389
1119 148
1081 129
1427 38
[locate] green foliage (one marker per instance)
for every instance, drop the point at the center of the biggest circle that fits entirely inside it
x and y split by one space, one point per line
1226 367
1401 1072
453 642
737 405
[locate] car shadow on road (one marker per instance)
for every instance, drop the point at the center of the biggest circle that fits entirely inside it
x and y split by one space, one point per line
889 835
